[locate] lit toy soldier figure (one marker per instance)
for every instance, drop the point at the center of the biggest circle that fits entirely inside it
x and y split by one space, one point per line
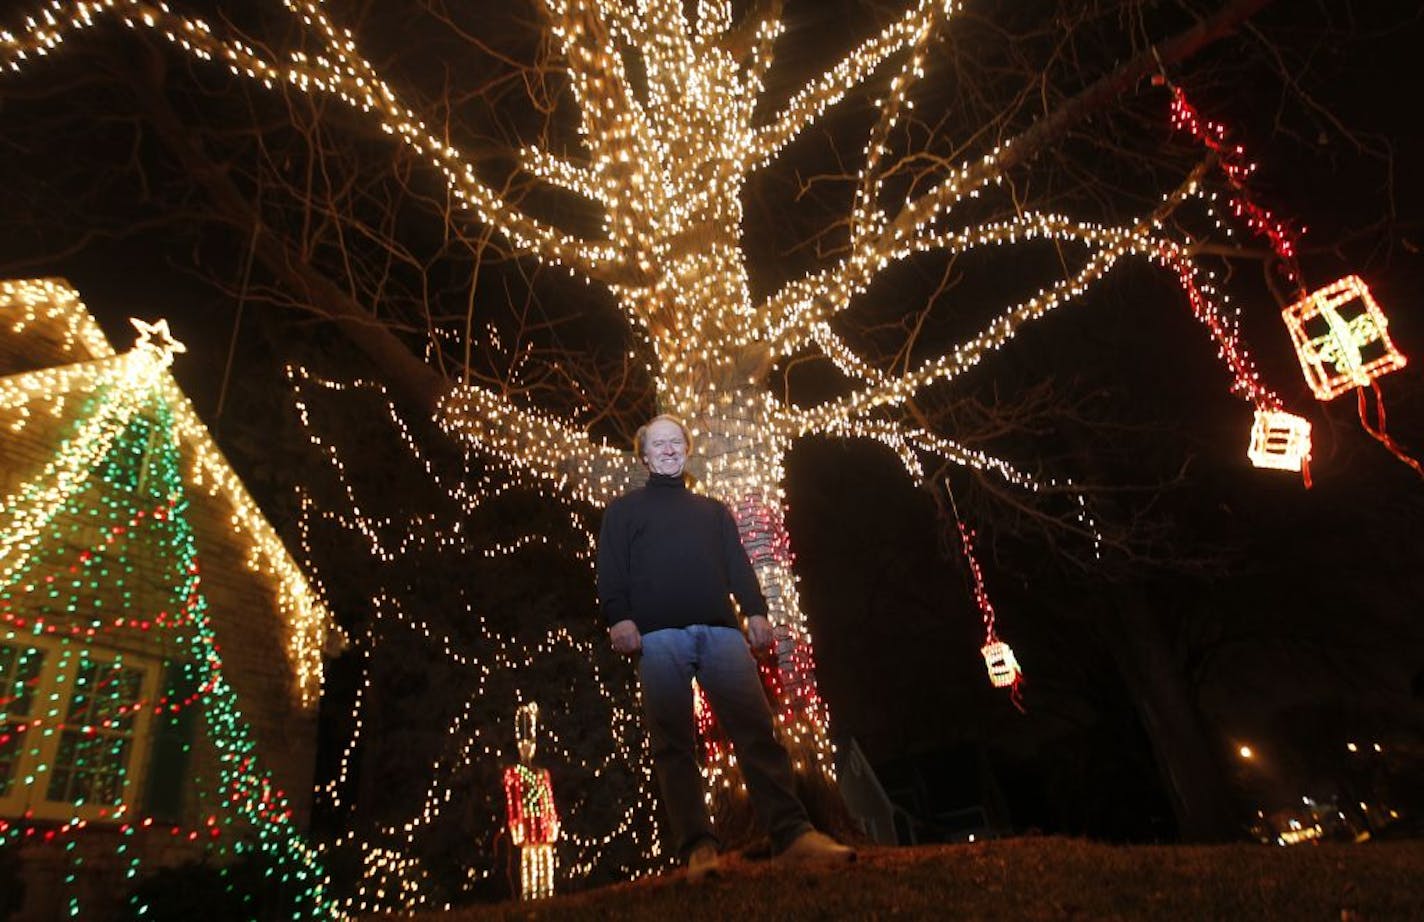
529 801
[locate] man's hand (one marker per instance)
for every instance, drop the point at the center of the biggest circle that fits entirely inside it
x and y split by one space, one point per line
625 636
759 634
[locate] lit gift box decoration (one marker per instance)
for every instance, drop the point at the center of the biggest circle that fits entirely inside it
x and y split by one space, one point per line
1339 335
1004 670
1279 440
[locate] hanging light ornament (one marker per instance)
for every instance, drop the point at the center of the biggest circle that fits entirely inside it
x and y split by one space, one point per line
999 659
1339 331
1279 439
1004 671
1340 338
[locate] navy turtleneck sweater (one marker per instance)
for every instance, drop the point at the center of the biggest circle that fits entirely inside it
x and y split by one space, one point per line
668 557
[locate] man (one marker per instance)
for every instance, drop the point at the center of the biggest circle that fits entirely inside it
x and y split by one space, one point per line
668 559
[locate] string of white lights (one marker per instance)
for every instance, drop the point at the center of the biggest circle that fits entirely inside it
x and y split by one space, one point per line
491 659
667 157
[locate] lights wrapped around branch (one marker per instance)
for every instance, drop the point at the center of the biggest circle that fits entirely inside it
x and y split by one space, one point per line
1279 440
1234 163
791 680
1340 338
395 878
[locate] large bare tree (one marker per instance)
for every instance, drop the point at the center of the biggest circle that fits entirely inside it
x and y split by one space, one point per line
541 223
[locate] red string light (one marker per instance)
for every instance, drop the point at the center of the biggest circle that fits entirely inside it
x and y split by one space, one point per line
999 658
1234 164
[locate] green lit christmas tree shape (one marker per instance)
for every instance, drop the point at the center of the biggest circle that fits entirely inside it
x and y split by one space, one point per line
105 577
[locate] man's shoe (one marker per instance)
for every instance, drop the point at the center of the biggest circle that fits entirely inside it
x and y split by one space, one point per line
703 862
818 847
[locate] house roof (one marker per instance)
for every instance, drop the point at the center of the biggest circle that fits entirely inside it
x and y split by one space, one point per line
52 351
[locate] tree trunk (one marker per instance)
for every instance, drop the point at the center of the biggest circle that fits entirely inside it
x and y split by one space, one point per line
1187 756
740 462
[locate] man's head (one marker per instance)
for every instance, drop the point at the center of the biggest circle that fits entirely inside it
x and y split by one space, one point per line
663 445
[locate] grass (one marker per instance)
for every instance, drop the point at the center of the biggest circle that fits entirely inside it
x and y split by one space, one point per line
1024 879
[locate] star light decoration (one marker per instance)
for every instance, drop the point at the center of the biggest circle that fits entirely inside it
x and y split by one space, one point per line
665 158
155 338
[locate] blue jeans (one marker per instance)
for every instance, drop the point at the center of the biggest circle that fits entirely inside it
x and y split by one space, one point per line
721 661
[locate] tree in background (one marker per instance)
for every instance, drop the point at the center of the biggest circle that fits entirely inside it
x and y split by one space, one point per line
540 226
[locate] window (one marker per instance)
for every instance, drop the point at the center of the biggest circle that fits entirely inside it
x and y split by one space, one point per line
73 729
19 676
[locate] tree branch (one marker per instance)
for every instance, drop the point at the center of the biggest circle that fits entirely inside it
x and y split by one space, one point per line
414 380
593 471
961 359
791 312
806 106
356 83
974 176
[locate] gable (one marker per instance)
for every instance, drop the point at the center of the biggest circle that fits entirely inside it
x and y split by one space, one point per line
64 395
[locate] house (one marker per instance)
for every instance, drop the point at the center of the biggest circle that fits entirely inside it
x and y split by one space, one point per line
160 650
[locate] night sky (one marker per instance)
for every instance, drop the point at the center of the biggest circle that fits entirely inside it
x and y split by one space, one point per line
1294 614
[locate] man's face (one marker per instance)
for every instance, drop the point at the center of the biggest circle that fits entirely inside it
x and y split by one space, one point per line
664 448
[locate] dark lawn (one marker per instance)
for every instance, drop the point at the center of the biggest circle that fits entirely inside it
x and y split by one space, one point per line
1031 878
